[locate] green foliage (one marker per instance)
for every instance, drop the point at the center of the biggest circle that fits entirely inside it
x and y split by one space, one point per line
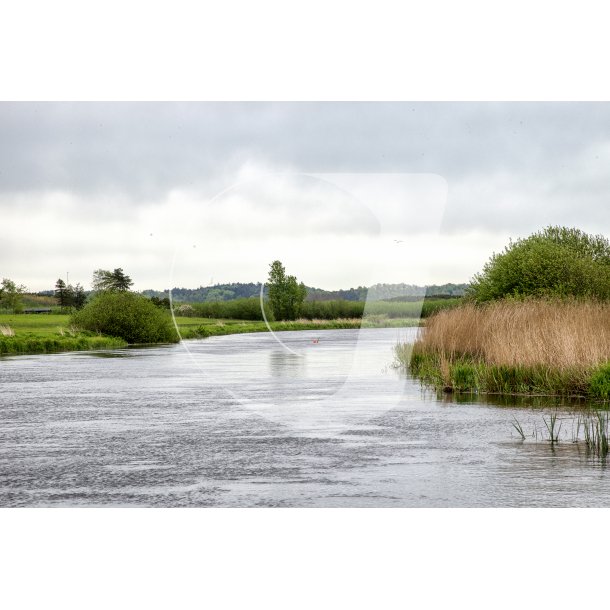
127 315
11 295
556 261
286 295
218 292
111 280
600 382
161 303
239 309
60 293
250 309
69 296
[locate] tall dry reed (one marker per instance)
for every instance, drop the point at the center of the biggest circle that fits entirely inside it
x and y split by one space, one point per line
554 334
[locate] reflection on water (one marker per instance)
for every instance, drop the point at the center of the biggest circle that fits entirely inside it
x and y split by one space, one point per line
532 402
286 364
236 421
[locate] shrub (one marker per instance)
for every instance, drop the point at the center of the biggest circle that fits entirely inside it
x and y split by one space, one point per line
127 315
556 261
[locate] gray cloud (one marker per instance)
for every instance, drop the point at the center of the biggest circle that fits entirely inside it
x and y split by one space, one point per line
146 149
510 168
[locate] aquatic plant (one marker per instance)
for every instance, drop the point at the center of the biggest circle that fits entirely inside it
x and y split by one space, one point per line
600 382
519 428
517 347
552 427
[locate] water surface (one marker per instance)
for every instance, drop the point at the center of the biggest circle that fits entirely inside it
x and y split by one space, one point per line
240 421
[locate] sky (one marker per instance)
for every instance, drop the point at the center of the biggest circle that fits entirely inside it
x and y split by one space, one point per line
343 193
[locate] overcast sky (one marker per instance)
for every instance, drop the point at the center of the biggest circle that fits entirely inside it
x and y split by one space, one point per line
344 194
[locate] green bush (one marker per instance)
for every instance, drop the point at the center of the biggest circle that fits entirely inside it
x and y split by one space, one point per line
556 261
600 382
127 315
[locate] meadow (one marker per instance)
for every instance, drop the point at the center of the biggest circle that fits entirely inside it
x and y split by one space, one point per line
47 333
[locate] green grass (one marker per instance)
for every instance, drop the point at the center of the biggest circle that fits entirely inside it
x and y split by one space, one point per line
49 333
40 324
197 328
469 376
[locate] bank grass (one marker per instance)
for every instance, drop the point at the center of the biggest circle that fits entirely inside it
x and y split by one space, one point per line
558 347
199 328
47 334
25 344
50 333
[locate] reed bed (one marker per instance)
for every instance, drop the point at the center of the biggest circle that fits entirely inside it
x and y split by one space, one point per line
533 346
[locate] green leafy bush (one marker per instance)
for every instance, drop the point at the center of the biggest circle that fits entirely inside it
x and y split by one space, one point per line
556 261
127 315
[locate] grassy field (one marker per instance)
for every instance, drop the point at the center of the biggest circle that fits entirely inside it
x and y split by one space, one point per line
47 333
39 324
516 347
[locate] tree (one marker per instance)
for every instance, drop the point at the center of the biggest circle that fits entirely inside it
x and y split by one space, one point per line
161 303
61 293
11 295
79 298
69 296
111 280
556 262
127 315
286 295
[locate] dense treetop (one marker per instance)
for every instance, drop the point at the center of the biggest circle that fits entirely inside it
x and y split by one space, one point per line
555 262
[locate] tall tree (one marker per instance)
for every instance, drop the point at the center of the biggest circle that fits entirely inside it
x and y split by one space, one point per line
115 280
60 293
286 295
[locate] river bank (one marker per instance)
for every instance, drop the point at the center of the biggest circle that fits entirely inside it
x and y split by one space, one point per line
52 333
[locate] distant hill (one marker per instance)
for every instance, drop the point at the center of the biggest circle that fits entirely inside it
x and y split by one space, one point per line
377 292
205 294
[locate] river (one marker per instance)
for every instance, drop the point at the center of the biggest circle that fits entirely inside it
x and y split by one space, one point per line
320 419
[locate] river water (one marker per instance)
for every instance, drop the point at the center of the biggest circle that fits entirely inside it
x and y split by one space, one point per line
320 419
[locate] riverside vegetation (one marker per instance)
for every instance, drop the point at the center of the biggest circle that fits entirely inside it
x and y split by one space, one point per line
114 316
535 321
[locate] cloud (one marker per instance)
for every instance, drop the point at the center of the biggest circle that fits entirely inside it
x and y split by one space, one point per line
83 185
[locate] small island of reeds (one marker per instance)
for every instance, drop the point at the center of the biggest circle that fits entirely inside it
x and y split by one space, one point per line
535 321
